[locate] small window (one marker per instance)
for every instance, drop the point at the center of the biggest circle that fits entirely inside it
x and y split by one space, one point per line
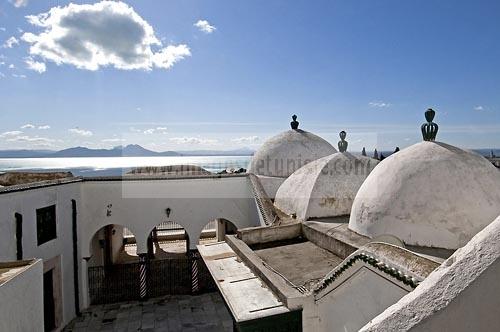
46 224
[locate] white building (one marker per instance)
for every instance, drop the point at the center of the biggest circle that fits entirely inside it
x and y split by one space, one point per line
326 241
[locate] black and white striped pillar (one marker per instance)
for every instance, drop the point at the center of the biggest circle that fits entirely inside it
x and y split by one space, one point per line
143 276
195 286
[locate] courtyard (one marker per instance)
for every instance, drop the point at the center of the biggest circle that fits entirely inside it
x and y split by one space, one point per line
205 312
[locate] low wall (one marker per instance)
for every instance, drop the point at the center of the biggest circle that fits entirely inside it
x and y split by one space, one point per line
22 298
253 235
463 294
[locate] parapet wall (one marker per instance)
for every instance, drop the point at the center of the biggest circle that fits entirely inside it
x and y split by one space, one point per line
463 294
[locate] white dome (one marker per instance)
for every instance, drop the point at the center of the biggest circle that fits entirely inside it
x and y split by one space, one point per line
431 194
283 154
325 187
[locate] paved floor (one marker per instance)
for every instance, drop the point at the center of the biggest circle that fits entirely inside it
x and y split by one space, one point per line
169 313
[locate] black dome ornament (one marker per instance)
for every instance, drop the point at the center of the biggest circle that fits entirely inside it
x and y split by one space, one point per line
429 129
294 123
342 143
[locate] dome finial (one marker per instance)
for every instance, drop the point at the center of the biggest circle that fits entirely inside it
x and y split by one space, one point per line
294 123
429 129
342 143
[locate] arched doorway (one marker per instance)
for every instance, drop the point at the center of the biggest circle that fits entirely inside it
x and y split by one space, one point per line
113 273
167 240
112 244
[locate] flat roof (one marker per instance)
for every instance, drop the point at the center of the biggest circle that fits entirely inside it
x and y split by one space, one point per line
246 295
63 181
301 262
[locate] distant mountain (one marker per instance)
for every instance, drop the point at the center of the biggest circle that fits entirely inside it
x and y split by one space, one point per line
132 150
24 153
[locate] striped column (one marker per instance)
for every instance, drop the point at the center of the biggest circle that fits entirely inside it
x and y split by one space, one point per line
195 287
143 282
193 257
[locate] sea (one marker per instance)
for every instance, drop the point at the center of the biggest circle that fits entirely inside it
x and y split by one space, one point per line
111 166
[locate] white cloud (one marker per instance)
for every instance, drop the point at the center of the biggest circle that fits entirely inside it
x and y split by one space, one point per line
33 140
3 29
9 43
246 140
18 76
32 126
81 132
2 74
160 130
106 33
11 66
204 26
135 130
10 133
113 140
39 67
193 140
479 108
19 3
379 104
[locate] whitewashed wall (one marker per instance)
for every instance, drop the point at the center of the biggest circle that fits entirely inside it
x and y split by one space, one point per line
351 305
136 204
271 184
462 294
140 205
26 202
21 299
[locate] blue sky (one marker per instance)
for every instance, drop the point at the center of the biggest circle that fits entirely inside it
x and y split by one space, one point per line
368 67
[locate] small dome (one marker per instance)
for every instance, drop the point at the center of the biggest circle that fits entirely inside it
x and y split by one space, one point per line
325 187
283 154
430 194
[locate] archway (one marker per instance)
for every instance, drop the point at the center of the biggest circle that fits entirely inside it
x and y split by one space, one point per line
216 230
129 242
112 244
168 239
112 273
208 233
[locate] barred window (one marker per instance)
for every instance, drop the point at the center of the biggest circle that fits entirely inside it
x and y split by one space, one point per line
46 224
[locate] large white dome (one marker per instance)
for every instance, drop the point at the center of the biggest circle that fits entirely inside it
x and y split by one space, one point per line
325 187
283 154
430 194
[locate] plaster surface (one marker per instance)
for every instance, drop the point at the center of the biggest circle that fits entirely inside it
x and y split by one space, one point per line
430 194
284 153
22 300
325 187
463 294
351 305
25 202
270 184
140 206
